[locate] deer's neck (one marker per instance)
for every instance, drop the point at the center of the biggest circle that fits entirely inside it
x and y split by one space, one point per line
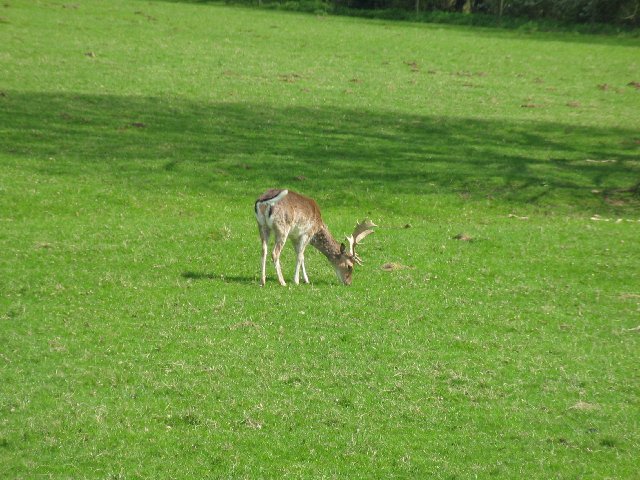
324 241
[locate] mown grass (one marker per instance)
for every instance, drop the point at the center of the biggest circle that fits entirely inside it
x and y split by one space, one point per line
134 339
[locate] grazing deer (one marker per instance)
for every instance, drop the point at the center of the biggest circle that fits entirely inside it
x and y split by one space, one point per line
289 214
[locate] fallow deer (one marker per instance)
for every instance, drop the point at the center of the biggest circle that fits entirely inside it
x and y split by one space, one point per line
291 215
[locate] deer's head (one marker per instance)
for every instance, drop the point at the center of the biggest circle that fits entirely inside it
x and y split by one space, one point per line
348 257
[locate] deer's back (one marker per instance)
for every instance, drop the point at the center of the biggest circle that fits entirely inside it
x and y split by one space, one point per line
295 213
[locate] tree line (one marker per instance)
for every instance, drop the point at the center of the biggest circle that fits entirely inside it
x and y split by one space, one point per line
620 12
605 11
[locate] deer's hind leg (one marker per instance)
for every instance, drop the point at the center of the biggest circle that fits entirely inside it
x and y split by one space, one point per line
281 238
264 236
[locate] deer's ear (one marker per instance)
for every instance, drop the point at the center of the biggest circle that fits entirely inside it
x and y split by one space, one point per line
343 248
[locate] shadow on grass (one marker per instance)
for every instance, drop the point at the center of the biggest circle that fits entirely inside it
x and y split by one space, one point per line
239 149
190 275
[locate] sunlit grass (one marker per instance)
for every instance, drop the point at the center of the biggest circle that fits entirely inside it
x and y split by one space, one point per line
135 341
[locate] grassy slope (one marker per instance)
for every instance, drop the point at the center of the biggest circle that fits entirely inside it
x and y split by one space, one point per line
134 341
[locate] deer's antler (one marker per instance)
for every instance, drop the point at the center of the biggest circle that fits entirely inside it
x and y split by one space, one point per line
362 229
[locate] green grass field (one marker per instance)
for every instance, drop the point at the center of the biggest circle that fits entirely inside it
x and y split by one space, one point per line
135 342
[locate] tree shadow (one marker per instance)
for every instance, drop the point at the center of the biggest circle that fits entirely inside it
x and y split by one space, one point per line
238 149
191 275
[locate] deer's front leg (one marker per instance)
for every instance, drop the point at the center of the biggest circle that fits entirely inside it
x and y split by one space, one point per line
305 279
300 246
277 250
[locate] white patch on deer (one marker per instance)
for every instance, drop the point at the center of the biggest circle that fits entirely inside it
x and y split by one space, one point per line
263 209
